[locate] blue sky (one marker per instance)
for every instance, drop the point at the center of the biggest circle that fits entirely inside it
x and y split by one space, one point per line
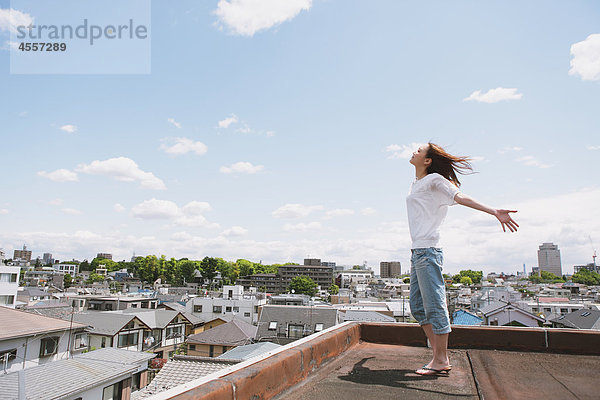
279 132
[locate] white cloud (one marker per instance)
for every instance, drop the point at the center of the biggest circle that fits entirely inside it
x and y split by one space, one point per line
3 211
196 208
10 19
188 215
119 208
175 123
10 45
60 175
246 17
593 147
494 95
183 146
295 210
509 149
531 161
71 211
225 123
56 202
69 128
235 231
404 151
155 209
586 58
122 169
242 167
301 227
368 211
338 212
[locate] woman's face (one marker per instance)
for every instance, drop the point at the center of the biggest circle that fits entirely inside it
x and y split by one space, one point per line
419 157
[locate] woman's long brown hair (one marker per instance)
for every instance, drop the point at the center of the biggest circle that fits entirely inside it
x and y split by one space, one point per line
446 164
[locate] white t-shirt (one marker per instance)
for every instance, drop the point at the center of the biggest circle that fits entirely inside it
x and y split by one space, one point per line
427 205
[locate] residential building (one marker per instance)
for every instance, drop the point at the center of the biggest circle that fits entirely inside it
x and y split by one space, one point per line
101 374
549 259
31 295
233 303
313 262
549 309
106 256
66 268
9 285
24 255
113 303
218 340
580 319
27 339
390 269
109 329
328 264
1 256
168 329
592 267
491 294
392 290
345 279
284 324
501 313
322 276
290 299
270 283
365 316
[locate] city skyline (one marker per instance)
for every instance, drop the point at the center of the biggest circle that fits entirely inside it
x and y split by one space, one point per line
280 135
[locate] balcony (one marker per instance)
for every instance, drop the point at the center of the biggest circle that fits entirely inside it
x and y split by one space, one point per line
367 360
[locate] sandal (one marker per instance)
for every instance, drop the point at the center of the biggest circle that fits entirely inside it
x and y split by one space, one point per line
434 372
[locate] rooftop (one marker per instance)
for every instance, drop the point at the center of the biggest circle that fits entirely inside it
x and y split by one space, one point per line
17 323
377 360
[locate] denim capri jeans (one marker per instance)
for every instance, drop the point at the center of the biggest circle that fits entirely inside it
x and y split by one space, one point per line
427 289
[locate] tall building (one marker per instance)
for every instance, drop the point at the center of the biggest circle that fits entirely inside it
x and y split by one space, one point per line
47 258
24 254
390 269
549 259
322 276
106 256
312 261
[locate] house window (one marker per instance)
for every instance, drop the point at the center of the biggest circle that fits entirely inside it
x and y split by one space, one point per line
193 347
217 309
7 356
198 308
113 392
547 309
81 340
318 327
272 325
224 349
48 346
135 382
108 307
246 314
211 351
103 345
255 309
564 310
173 332
7 300
535 309
128 339
295 331
134 306
228 309
236 309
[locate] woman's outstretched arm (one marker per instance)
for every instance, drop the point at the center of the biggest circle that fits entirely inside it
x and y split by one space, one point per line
502 215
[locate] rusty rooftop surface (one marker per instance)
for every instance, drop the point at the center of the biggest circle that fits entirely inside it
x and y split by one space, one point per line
357 360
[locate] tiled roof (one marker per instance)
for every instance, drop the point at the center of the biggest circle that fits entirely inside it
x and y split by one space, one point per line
369 316
233 333
155 319
62 378
462 317
179 371
17 323
302 315
104 323
249 351
580 319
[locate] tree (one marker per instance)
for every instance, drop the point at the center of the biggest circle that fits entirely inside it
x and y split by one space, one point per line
334 289
94 277
186 271
406 280
209 269
465 280
303 285
586 277
68 280
474 275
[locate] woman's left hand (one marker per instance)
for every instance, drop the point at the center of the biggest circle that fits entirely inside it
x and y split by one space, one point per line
506 220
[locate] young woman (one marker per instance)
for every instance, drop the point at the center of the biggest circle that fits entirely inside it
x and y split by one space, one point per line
434 189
